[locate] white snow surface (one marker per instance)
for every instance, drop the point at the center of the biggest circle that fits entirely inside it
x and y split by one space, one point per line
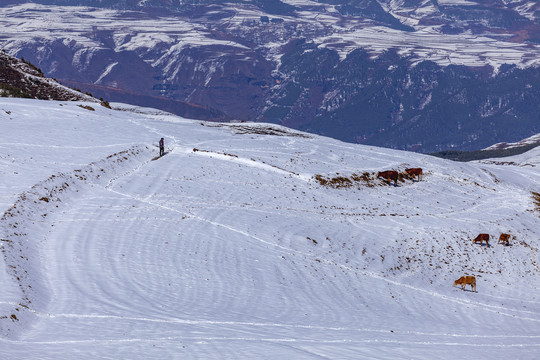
227 247
535 139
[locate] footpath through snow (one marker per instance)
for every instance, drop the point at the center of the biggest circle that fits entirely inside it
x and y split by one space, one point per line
24 224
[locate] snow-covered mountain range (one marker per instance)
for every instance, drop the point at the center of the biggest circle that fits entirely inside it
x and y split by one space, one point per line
251 241
371 71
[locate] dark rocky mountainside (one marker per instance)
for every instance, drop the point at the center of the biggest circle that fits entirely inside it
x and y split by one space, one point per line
417 75
422 108
19 78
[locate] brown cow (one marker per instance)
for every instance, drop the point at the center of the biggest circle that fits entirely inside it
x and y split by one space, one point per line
389 175
414 172
466 280
480 238
504 238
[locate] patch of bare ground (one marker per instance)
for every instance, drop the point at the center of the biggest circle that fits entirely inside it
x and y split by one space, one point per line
364 179
259 130
339 181
536 200
87 107
215 152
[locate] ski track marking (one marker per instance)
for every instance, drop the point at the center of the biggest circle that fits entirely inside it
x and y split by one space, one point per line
482 306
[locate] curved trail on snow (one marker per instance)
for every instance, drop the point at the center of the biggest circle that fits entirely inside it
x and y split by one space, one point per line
232 251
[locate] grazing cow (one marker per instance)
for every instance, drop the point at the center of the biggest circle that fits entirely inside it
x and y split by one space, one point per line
504 238
389 175
466 280
414 172
480 238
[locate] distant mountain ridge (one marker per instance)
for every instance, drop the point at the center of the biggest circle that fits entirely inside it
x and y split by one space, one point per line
531 141
417 75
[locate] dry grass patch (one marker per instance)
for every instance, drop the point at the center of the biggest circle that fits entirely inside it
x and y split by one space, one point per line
536 200
87 107
365 179
340 181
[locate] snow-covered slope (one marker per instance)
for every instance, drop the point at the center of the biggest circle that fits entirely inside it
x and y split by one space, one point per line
535 139
228 246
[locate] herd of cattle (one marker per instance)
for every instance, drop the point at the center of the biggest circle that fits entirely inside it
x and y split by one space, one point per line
392 175
504 239
471 280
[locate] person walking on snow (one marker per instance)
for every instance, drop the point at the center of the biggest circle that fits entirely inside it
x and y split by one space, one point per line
161 147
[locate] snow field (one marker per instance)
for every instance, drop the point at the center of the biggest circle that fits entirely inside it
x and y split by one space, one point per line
235 251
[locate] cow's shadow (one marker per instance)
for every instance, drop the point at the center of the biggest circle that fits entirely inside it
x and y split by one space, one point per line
485 245
467 290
